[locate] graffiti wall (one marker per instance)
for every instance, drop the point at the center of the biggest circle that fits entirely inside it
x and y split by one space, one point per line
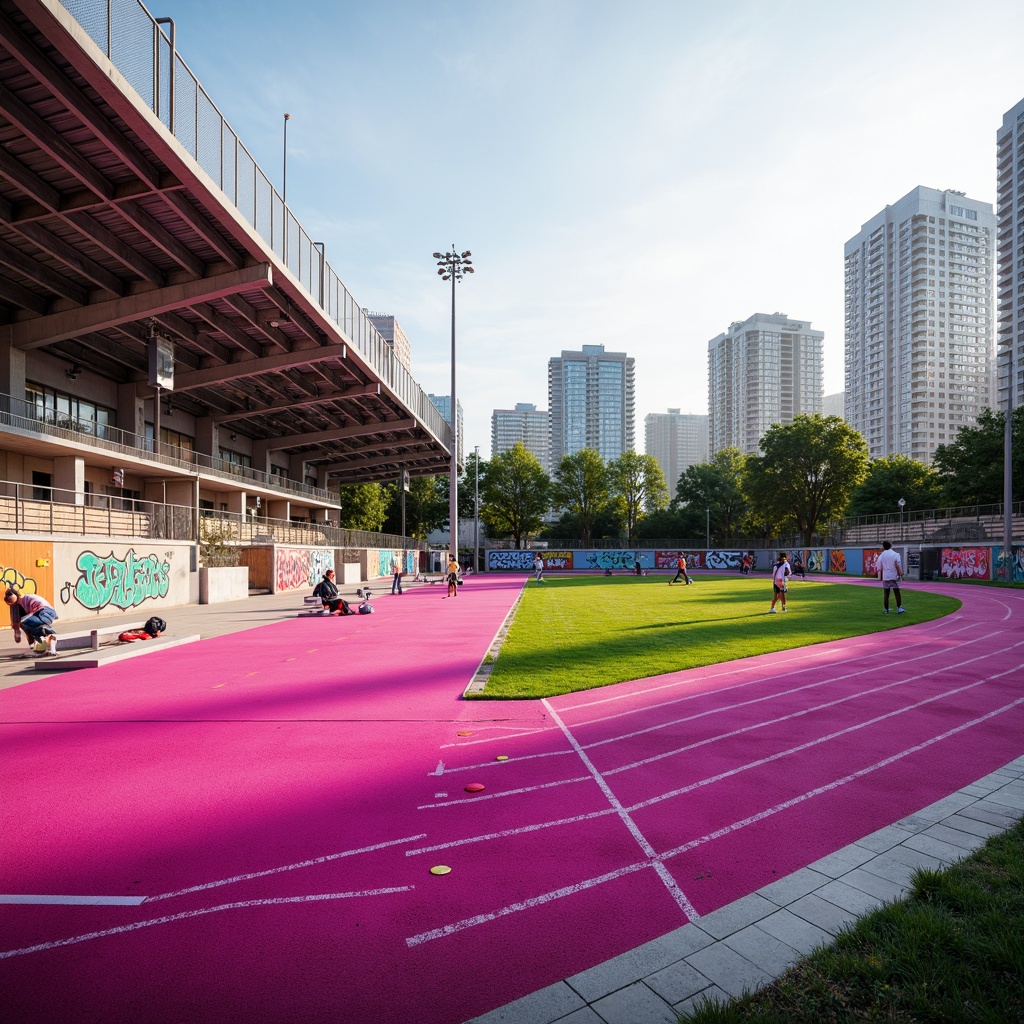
505 560
1015 563
297 568
557 560
966 563
723 561
27 565
837 560
90 579
670 559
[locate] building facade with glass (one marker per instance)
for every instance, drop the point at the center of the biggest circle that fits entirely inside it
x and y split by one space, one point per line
525 423
763 371
919 322
677 440
1010 254
591 403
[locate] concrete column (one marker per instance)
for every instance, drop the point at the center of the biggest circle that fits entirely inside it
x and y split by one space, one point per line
69 479
279 508
236 502
207 440
12 374
131 411
261 456
297 468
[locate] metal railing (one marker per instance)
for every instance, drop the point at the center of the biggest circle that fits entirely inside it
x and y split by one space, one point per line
19 414
31 508
136 43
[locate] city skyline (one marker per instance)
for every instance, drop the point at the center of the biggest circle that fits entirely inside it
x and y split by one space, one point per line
633 178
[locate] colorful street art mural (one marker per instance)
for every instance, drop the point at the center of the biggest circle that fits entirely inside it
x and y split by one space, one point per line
11 577
122 583
556 560
1015 563
837 560
670 559
813 560
504 560
870 566
965 563
723 560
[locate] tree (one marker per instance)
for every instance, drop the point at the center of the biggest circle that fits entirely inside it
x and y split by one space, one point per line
893 478
514 494
581 487
670 524
971 465
712 493
637 485
808 470
364 506
426 507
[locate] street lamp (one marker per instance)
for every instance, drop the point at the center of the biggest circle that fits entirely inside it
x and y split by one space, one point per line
476 512
452 266
1008 468
901 503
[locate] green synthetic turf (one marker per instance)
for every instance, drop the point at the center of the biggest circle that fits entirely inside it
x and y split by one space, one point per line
578 633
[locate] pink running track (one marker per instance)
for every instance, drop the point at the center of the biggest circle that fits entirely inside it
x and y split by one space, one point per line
242 830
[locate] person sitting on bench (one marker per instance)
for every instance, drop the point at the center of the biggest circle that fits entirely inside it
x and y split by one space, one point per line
327 591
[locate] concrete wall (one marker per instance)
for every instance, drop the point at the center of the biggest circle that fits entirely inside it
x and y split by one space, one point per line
228 583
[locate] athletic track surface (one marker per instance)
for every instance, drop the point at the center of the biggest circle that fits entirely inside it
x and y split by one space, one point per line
242 830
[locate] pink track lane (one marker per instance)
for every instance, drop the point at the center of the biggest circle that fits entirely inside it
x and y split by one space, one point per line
278 798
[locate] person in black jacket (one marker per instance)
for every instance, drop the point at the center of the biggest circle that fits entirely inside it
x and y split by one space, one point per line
327 591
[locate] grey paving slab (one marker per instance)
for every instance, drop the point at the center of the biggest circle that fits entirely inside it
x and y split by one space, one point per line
677 982
962 823
712 994
649 958
885 865
635 1004
945 832
587 1015
795 931
875 885
983 811
849 897
884 839
793 886
541 1007
838 863
945 807
823 914
766 951
945 853
729 970
914 858
734 916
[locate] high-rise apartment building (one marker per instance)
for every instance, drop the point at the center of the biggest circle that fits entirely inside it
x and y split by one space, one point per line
919 322
677 440
590 396
1010 248
388 329
525 423
763 371
443 404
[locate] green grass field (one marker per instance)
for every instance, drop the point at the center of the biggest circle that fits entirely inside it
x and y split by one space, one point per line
578 633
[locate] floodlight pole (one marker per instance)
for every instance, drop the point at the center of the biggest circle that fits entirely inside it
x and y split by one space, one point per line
452 266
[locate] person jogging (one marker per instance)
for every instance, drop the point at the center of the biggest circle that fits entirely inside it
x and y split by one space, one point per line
780 573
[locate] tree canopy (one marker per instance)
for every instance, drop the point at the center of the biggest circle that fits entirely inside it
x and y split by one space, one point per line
807 471
637 485
890 479
514 494
364 506
426 507
971 465
712 494
581 487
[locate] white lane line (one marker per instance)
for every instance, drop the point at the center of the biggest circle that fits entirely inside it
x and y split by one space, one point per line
186 914
863 669
287 867
814 743
786 718
507 833
570 890
536 901
75 901
664 874
477 797
828 787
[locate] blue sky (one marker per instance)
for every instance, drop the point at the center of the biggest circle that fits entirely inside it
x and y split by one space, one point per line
634 175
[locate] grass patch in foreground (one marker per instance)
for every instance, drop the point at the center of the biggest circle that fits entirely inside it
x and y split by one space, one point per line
577 633
953 951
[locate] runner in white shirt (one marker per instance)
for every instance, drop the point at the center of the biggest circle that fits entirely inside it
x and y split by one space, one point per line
890 571
780 571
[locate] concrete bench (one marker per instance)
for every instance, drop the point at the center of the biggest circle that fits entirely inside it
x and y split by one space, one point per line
90 638
95 657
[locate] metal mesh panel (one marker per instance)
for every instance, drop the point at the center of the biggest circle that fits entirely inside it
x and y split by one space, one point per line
131 46
185 93
228 181
208 139
92 16
246 198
